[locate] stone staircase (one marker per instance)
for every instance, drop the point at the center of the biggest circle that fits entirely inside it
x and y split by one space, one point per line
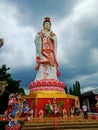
61 124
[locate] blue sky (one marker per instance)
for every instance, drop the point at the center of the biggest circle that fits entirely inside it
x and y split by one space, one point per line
75 23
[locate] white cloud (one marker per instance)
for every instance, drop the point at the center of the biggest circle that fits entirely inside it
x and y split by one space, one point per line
87 88
94 56
74 48
88 81
69 30
19 40
27 91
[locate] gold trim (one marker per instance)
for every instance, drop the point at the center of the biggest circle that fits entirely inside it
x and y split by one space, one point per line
50 94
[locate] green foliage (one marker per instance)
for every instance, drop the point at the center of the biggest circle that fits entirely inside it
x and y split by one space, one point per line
61 103
77 86
21 122
3 74
71 91
48 110
2 124
76 89
13 86
66 90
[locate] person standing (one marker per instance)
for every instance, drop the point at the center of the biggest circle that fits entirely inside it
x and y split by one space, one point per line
85 111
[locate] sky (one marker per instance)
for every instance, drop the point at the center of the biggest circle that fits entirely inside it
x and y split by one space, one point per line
75 22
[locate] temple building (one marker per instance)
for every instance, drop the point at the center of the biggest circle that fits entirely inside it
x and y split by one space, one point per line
90 98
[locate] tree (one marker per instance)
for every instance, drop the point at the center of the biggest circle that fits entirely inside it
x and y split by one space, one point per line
3 73
77 88
74 89
66 90
13 86
70 91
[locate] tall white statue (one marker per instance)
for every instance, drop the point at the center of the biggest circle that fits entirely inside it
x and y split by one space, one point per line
46 49
47 65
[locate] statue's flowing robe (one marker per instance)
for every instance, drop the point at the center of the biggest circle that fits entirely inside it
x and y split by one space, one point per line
46 49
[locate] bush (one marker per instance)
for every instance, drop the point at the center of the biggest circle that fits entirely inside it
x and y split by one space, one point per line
21 122
2 124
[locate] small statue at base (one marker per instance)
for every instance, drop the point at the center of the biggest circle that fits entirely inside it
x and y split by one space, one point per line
64 112
41 113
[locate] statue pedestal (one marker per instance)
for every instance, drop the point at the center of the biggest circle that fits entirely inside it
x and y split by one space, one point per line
48 98
38 100
47 85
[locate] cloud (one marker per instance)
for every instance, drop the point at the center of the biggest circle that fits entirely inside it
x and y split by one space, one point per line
87 89
19 40
75 32
94 56
27 91
76 26
32 12
78 42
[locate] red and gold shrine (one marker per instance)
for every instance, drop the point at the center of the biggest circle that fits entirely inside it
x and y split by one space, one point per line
47 94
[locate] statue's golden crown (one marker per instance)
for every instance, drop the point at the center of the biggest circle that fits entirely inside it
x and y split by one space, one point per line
47 19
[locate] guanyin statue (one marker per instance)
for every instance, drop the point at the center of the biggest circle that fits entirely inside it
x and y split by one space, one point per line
46 58
46 51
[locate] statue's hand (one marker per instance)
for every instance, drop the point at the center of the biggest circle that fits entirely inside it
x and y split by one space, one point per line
38 62
58 72
51 38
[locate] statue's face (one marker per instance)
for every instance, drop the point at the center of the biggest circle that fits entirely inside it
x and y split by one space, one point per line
47 25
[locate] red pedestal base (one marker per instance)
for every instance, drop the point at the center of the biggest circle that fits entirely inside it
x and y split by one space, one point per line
40 100
42 94
47 85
